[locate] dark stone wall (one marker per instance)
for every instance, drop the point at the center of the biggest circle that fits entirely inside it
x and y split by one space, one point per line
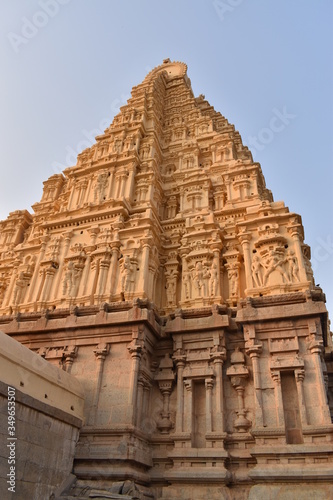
44 449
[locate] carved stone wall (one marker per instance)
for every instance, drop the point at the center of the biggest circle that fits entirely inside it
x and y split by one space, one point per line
160 272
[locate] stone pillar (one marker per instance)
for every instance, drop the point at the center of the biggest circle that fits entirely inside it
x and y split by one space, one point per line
104 267
139 401
67 239
254 351
85 276
146 397
84 186
245 238
130 183
278 399
218 358
188 403
88 191
180 364
135 349
213 149
316 349
181 199
33 287
144 268
165 377
72 194
69 355
115 245
111 185
39 289
228 186
101 352
123 184
299 375
209 383
49 275
95 271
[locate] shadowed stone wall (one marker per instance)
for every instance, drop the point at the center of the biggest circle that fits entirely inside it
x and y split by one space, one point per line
38 438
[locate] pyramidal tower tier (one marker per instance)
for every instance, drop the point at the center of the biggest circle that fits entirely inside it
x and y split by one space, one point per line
161 273
168 205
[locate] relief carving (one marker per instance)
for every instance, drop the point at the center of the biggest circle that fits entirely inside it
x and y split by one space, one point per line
127 275
100 187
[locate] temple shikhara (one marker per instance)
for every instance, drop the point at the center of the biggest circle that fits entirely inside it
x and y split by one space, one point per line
160 274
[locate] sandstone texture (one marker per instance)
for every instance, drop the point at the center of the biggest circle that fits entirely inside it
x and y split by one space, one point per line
160 273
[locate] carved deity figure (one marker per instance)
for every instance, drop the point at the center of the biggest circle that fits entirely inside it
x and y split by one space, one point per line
187 283
20 285
233 280
3 288
213 279
256 269
117 146
68 279
198 278
71 280
273 262
293 271
100 186
127 275
54 248
171 291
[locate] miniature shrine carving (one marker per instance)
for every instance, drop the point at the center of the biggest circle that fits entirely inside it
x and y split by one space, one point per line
162 274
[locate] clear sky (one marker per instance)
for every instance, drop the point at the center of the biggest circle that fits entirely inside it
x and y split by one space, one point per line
67 66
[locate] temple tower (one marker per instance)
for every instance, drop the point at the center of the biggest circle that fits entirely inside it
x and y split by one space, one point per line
161 273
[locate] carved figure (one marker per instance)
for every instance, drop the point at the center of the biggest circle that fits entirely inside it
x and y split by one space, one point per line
256 269
127 277
100 186
117 146
272 263
54 248
3 288
171 291
187 283
20 284
213 279
293 271
233 279
198 278
68 279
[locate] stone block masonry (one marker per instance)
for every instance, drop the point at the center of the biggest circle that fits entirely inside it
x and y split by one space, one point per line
160 274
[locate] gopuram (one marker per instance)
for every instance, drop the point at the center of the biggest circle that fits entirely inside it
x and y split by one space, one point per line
160 272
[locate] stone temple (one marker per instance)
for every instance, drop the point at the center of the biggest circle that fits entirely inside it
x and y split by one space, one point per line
160 274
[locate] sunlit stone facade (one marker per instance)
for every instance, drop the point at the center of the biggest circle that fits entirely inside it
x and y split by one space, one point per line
160 272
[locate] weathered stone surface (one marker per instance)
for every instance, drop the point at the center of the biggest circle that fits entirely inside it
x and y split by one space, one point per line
161 274
45 432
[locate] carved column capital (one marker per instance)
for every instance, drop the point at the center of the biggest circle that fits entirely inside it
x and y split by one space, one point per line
135 348
244 237
218 354
188 384
276 376
253 348
179 357
209 384
70 352
101 351
300 375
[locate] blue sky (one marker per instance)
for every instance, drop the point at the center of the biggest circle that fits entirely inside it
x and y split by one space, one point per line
67 66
